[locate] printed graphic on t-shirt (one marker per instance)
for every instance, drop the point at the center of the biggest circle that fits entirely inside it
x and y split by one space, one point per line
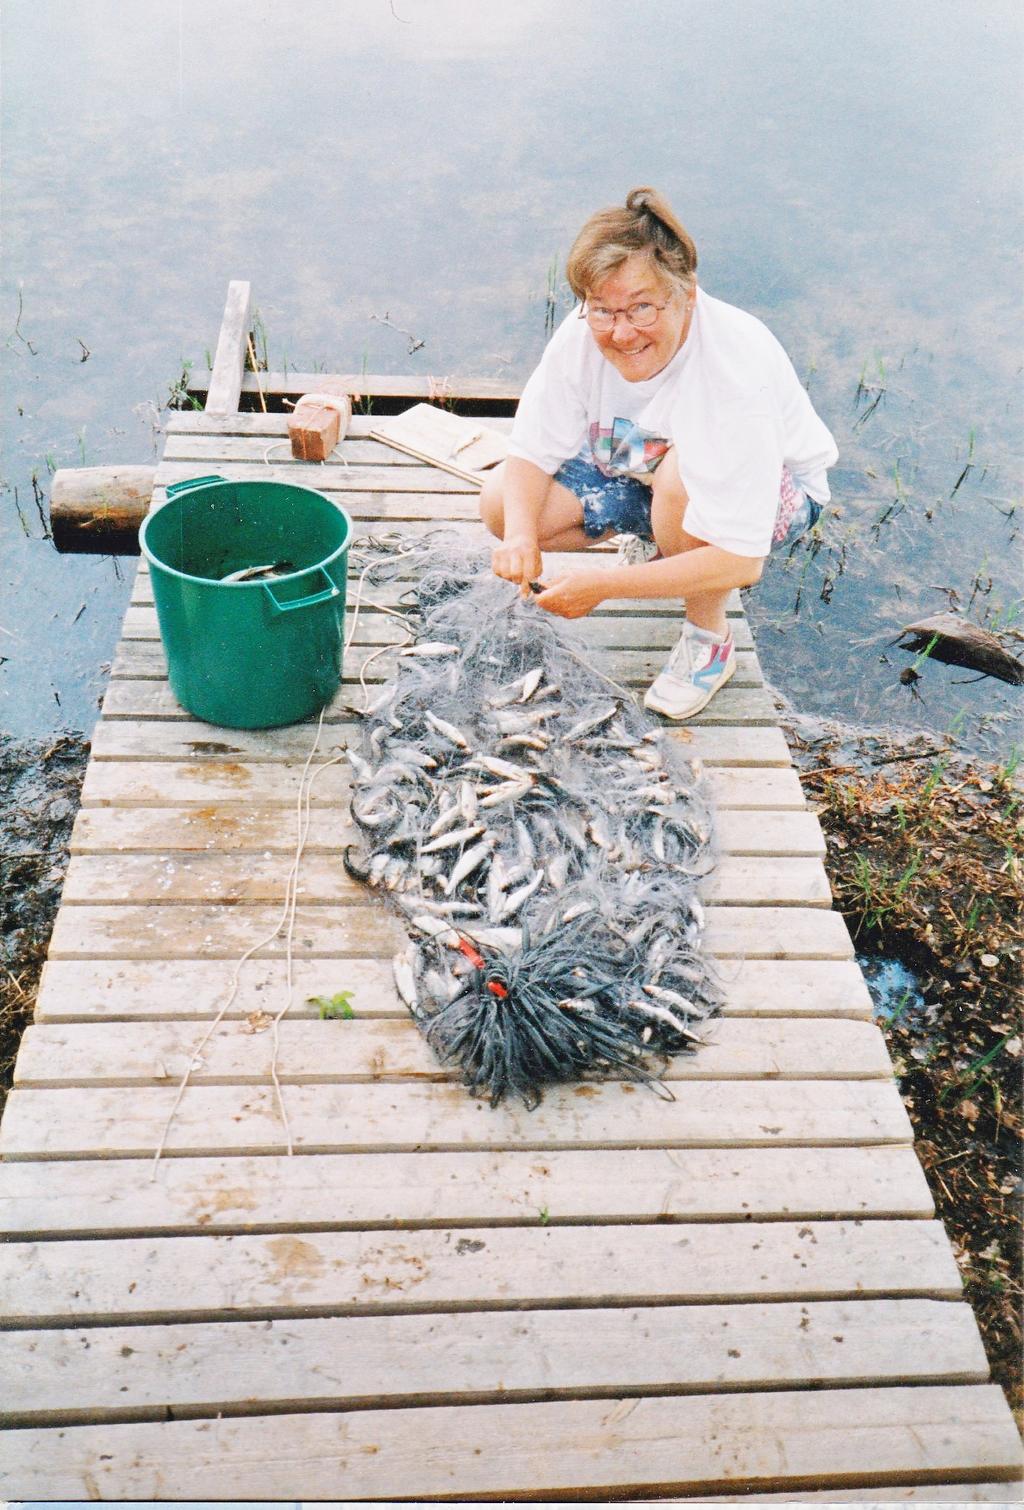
626 449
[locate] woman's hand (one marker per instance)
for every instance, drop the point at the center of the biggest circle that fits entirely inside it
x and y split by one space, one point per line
517 559
574 595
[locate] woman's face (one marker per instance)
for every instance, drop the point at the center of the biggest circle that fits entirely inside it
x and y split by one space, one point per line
640 354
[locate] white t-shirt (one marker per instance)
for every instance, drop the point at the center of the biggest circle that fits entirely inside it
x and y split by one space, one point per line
729 401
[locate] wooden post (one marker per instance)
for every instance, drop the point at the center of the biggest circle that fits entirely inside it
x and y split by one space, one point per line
100 509
229 362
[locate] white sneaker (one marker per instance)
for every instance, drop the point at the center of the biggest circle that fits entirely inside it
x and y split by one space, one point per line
693 674
634 550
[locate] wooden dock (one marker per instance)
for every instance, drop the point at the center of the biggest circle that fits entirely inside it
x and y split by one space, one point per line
738 1294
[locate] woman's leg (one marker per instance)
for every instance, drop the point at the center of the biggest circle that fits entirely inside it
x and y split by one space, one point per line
559 526
668 516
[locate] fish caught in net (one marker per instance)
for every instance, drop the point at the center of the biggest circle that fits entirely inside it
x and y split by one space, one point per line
542 839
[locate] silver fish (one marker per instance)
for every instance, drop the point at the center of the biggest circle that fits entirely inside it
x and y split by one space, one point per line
447 730
430 647
468 862
451 840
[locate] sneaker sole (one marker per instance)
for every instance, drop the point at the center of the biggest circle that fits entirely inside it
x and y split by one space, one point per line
697 707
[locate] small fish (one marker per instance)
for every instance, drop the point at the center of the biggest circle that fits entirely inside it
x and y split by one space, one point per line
470 861
451 840
508 721
531 681
504 768
447 731
431 647
258 573
467 801
523 742
662 1014
509 791
517 898
405 978
588 725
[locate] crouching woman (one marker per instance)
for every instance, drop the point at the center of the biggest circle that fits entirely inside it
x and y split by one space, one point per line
665 416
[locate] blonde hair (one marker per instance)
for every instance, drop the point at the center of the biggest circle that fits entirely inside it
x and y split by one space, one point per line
647 225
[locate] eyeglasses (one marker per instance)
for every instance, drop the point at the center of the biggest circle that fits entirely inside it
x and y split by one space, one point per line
640 316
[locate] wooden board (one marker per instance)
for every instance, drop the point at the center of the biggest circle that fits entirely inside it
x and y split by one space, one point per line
588 1448
154 990
217 877
156 931
230 827
327 1118
312 1052
458 1189
138 1280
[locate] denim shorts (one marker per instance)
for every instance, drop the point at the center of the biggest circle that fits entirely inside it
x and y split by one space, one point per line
623 504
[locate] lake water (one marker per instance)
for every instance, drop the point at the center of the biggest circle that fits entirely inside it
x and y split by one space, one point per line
850 174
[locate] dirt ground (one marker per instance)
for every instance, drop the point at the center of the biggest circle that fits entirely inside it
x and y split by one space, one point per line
923 857
926 862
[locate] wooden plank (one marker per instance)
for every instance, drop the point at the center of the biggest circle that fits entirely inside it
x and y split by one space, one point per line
239 826
342 1362
274 1193
619 631
576 1449
183 931
54 1124
143 693
155 990
109 1283
260 445
930 1494
210 781
312 1052
376 486
225 381
231 877
415 387
632 667
535 1451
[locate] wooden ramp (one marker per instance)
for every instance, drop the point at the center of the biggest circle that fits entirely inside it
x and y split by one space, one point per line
739 1293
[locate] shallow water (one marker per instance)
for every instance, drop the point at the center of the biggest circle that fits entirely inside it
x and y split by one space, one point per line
849 174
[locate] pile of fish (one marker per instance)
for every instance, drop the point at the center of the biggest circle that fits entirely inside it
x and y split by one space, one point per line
542 840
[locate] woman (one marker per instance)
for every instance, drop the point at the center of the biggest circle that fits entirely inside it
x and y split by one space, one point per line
660 413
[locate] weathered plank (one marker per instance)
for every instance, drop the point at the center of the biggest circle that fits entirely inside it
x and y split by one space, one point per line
408 1359
77 1123
241 826
963 1494
376 486
145 695
618 631
312 1052
210 780
154 990
198 424
231 877
577 1449
226 931
185 739
586 1449
111 1282
229 361
274 1193
631 667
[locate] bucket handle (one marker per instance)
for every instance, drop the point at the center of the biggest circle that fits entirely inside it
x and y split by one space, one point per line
329 592
191 482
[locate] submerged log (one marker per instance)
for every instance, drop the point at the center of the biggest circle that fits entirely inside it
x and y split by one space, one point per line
956 641
100 509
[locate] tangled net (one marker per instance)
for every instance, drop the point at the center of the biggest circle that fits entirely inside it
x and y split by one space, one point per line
542 839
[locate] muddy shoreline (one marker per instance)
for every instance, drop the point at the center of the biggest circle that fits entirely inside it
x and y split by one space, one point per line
922 856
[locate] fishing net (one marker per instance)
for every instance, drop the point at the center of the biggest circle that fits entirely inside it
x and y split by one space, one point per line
541 838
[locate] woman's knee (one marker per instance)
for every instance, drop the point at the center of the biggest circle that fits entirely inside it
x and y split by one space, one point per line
669 500
492 510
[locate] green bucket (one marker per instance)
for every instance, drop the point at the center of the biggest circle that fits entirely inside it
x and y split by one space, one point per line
249 655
